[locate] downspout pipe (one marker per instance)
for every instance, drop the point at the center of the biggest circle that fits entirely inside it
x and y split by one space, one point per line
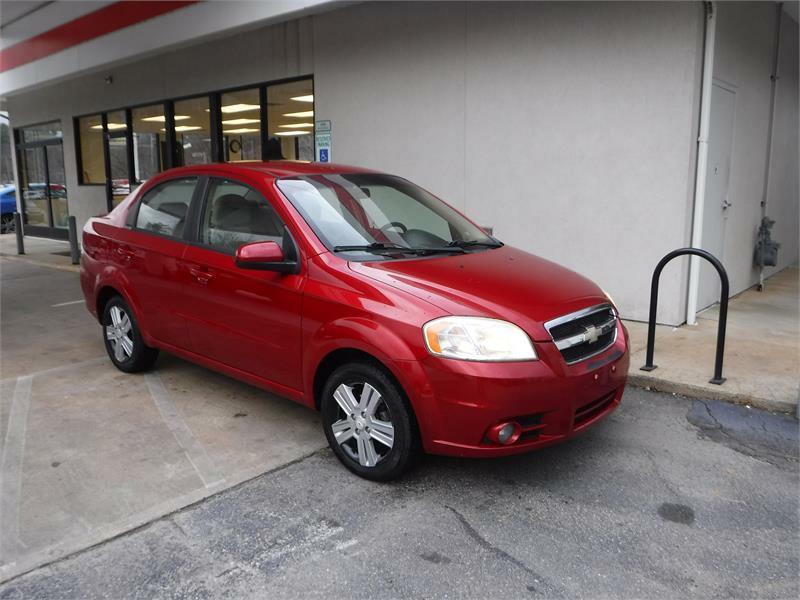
773 96
702 160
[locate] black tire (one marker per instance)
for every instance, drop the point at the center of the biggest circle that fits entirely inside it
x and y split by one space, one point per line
7 223
141 356
392 407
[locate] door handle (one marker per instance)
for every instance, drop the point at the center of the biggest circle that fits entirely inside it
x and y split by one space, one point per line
202 275
124 253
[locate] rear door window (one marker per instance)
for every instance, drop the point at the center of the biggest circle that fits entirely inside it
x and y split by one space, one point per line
165 208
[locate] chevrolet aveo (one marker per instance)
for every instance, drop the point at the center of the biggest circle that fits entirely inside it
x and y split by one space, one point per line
360 295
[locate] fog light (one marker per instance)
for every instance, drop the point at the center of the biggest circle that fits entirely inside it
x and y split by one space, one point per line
504 433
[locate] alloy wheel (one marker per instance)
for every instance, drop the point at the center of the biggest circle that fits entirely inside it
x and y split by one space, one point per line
364 429
119 334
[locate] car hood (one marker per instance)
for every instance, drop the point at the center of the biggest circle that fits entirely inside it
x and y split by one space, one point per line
503 283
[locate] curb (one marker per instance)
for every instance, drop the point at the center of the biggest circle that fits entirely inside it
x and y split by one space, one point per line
40 263
696 391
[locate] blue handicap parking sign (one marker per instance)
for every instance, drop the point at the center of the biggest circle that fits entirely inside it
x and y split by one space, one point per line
323 155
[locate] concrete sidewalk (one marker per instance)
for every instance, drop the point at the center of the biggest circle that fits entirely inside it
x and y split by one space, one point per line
762 350
39 251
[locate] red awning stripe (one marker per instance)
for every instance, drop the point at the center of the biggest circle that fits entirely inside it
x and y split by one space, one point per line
108 19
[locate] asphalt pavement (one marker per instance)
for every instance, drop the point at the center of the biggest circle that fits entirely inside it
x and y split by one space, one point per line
667 498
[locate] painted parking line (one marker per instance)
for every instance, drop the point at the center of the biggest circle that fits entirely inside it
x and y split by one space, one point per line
67 303
11 468
194 450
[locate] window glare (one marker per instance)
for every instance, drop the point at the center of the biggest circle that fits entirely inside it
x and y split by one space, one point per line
363 209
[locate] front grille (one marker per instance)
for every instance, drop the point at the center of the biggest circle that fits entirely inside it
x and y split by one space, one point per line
583 334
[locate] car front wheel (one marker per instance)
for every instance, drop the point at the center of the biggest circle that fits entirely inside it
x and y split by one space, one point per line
124 342
368 422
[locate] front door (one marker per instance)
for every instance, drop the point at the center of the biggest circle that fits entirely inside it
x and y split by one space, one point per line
246 319
717 206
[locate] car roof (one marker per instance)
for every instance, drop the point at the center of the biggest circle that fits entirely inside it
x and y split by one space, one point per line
276 168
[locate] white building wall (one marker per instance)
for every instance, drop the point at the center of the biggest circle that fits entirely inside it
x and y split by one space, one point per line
569 128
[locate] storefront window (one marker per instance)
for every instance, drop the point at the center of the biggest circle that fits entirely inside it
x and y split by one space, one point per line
193 133
45 131
290 116
90 132
241 125
149 140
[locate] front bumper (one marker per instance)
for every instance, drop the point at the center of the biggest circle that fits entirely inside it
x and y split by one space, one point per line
552 400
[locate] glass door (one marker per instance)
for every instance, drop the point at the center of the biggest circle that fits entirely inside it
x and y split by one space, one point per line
43 183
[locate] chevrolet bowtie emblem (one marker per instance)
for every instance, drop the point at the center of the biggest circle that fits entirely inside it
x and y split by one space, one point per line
591 334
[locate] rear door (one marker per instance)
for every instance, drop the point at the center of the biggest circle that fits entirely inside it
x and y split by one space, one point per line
246 319
149 251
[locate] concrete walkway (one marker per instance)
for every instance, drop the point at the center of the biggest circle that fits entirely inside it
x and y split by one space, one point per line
762 350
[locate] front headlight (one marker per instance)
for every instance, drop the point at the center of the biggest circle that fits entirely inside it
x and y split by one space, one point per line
477 338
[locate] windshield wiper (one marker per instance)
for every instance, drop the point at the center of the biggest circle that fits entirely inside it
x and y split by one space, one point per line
381 248
473 243
376 247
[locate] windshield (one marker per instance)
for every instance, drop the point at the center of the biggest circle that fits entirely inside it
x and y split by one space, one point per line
380 214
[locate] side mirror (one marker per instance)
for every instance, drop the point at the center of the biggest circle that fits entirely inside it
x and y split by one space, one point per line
264 256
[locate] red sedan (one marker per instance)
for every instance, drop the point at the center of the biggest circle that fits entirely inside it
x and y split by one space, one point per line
361 295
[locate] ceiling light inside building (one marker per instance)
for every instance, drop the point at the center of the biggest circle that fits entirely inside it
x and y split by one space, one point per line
163 119
241 130
305 113
239 121
309 98
186 128
292 133
235 108
111 126
295 125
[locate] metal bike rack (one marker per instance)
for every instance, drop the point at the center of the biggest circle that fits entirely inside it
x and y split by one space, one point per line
718 379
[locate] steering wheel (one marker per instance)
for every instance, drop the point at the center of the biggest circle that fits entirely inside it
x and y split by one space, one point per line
397 224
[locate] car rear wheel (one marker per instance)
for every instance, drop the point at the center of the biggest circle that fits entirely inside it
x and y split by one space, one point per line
124 342
368 422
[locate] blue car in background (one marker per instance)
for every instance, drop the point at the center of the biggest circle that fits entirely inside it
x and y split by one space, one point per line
8 206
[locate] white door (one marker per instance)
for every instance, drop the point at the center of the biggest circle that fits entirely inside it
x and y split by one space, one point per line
717 207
